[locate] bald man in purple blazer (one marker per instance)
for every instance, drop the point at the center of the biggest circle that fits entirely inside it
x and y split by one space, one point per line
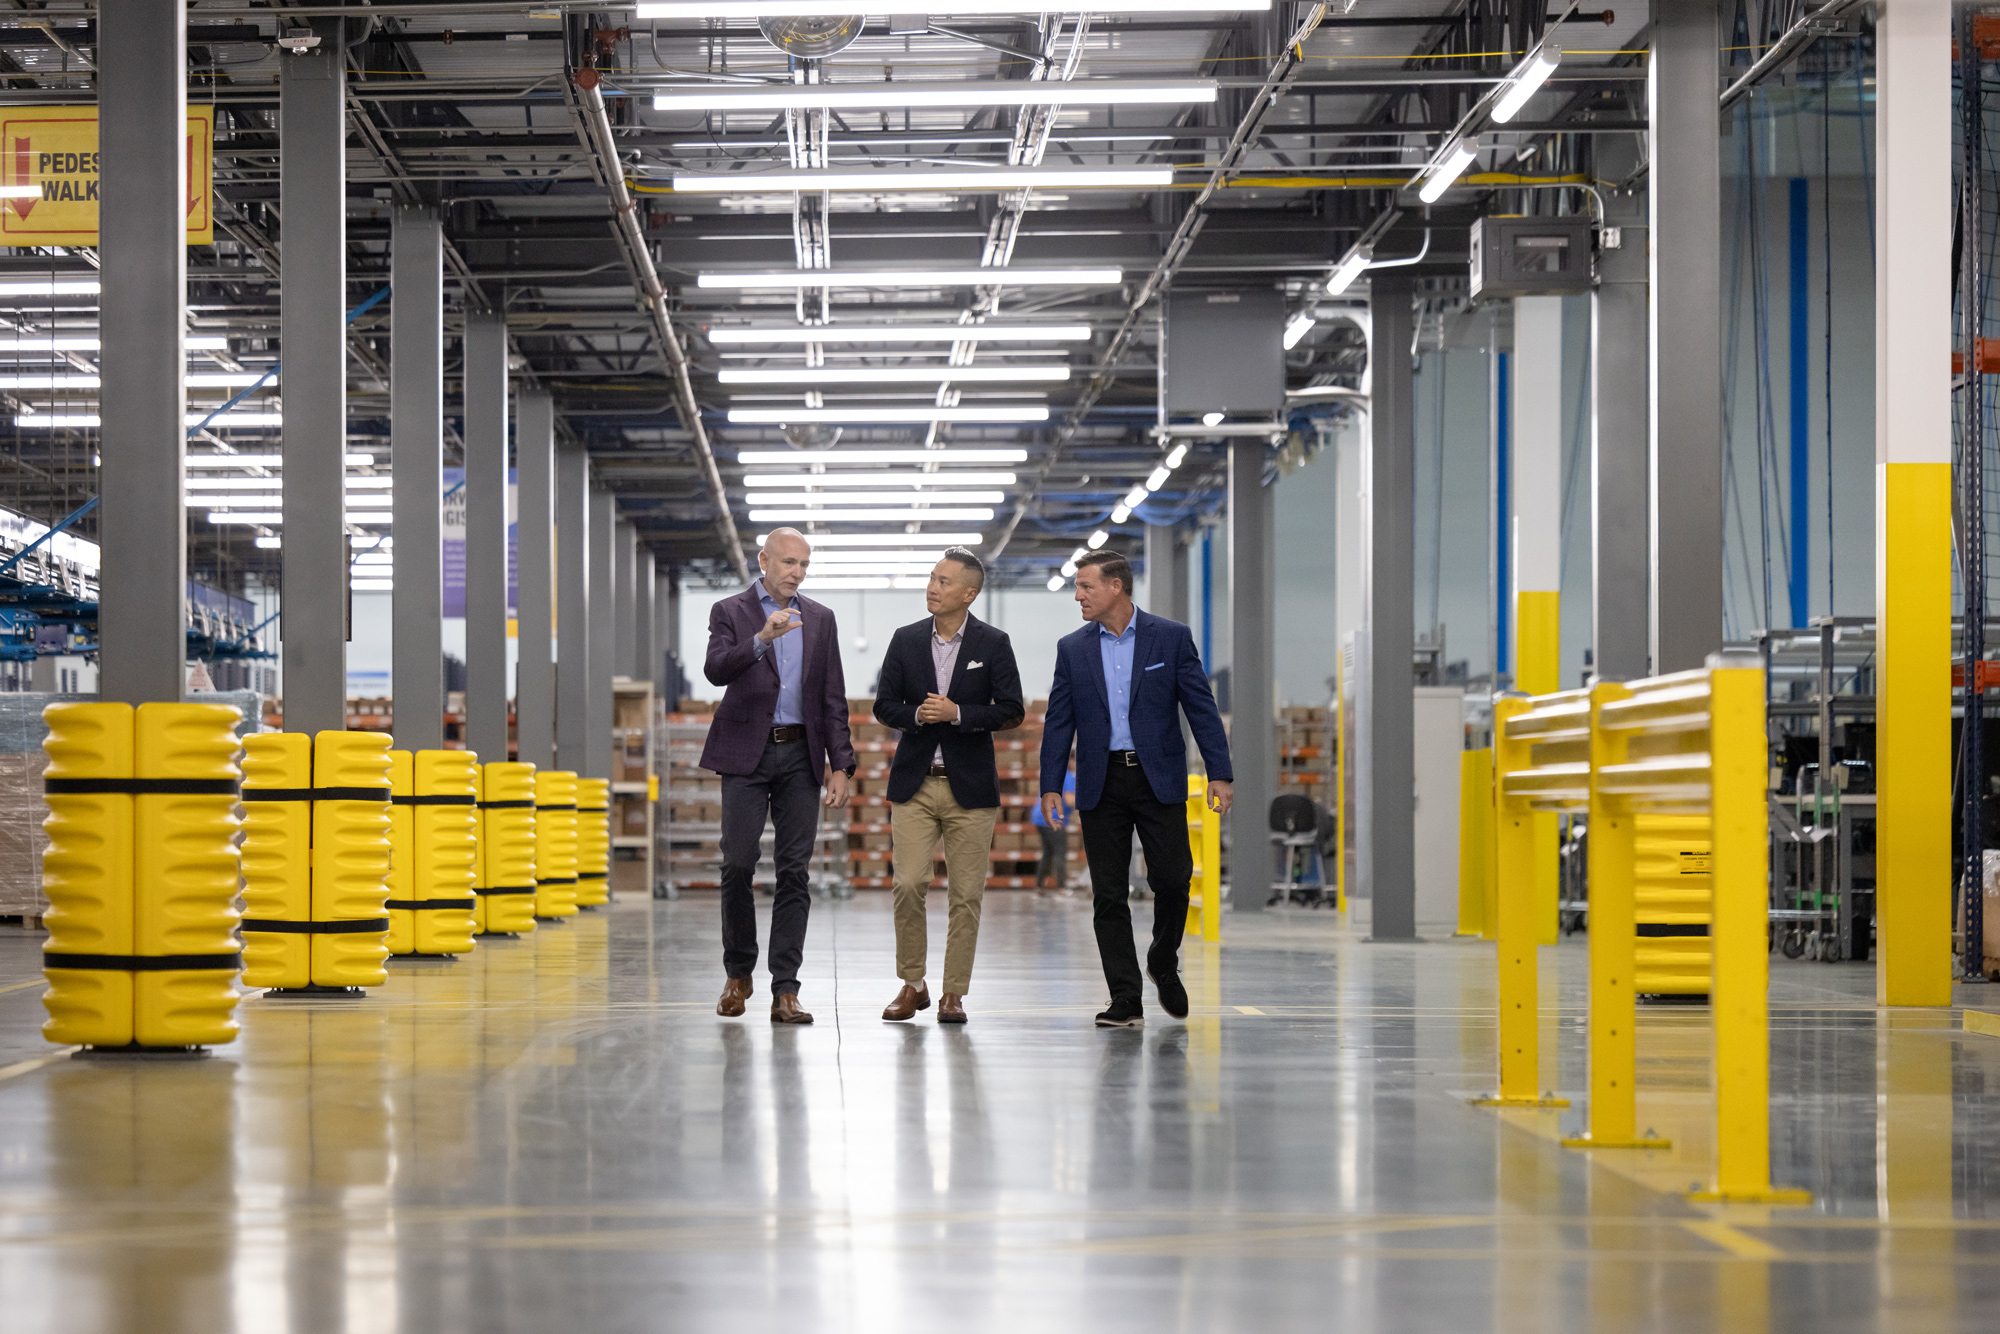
779 740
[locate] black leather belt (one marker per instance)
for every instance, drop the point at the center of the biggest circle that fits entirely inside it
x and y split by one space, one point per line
937 771
1128 758
782 736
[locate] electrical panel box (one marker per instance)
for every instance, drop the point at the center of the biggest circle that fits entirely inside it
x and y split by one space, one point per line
1224 352
1530 256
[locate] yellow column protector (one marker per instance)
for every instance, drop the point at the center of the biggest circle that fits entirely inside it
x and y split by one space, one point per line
444 817
555 843
402 937
277 859
350 858
87 872
506 890
593 842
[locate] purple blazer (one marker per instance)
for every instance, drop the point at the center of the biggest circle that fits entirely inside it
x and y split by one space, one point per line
742 726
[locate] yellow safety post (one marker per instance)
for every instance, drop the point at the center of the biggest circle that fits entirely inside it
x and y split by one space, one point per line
1613 1044
555 843
141 872
1538 672
1695 744
505 869
1522 792
432 827
1204 914
1475 838
1337 715
593 842
277 860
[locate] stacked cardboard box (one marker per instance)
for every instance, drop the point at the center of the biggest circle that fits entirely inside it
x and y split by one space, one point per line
1305 752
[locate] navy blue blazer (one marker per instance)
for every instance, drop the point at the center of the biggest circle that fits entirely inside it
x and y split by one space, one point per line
984 684
1167 681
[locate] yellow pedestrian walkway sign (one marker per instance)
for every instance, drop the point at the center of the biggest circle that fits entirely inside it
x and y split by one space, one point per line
55 150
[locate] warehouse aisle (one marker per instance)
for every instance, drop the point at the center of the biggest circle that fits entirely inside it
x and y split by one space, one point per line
557 1134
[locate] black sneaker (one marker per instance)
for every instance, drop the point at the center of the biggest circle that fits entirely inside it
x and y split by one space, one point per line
1173 996
1123 1014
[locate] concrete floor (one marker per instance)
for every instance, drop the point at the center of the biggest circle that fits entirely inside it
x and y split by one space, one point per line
557 1134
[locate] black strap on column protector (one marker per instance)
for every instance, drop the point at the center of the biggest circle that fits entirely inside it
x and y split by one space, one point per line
142 963
420 905
527 805
315 794
434 799
505 889
142 787
355 926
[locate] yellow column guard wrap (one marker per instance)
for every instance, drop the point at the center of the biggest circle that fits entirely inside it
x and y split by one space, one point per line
593 842
555 843
444 815
141 872
506 856
277 860
350 859
402 937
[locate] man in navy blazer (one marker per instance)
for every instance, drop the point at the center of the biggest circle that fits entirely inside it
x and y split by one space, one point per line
1122 683
780 741
948 684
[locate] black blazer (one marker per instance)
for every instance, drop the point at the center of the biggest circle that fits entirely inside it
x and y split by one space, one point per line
986 686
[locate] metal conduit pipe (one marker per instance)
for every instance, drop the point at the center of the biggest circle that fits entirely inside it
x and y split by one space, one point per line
594 119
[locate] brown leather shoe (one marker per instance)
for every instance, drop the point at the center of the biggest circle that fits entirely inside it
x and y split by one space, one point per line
734 992
951 1009
785 1009
908 1001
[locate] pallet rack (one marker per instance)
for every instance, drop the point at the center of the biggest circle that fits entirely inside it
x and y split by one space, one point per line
634 786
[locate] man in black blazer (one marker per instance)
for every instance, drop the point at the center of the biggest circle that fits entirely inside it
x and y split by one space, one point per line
942 785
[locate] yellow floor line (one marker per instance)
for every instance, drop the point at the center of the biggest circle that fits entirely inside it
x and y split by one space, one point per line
1977 1021
34 1063
23 986
1737 1243
1248 1009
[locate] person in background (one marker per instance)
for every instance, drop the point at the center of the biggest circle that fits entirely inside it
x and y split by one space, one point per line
948 684
1053 873
780 742
1121 684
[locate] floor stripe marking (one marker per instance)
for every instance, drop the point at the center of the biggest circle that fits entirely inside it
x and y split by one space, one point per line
1737 1243
1248 1009
23 986
1977 1021
34 1063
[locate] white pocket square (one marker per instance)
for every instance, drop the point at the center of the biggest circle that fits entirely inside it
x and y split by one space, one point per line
970 665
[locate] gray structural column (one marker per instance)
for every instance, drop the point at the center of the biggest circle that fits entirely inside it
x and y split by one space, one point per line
1620 546
645 633
534 549
1685 193
142 523
485 434
603 637
573 590
667 623
1387 869
1252 742
312 331
416 455
1166 573
625 600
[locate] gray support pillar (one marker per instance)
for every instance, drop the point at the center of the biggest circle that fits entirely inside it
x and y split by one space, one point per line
485 434
1685 193
1620 546
667 626
1166 573
1252 743
625 658
673 635
416 455
603 637
573 590
1388 864
313 335
645 632
142 522
534 546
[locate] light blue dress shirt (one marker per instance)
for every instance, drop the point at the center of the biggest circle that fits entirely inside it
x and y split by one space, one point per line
1116 651
791 653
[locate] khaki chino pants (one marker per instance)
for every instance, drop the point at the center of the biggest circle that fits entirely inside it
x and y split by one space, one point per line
929 818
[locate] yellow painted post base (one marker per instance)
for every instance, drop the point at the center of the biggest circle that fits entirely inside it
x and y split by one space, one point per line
1769 1195
1496 1100
1643 1142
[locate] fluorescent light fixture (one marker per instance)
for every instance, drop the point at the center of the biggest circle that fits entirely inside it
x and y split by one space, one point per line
941 497
212 500
270 543
807 457
1352 266
893 374
792 416
902 514
47 287
908 569
223 379
1158 477
1097 539
1457 157
1298 327
91 342
825 560
996 277
229 421
1176 456
1211 419
862 96
922 333
821 540
1136 496
205 343
264 461
755 9
1526 80
61 381
273 519
1069 569
1055 583
1120 512
901 181
916 479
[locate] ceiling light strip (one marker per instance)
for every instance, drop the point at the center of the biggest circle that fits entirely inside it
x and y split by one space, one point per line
1000 277
897 181
935 93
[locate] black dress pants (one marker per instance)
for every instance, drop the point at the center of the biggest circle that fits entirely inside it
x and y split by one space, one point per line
1128 804
784 788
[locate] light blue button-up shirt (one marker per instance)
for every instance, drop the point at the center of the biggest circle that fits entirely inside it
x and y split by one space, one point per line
1116 651
790 649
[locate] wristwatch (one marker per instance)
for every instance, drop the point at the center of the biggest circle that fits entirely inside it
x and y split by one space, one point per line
849 771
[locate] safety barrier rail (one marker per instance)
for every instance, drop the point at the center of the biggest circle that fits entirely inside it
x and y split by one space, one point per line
1204 915
433 828
555 843
504 863
593 842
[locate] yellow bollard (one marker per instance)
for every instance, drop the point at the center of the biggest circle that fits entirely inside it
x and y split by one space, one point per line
593 842
1515 920
1739 772
1475 839
432 819
1613 1044
555 843
350 859
505 884
87 874
277 860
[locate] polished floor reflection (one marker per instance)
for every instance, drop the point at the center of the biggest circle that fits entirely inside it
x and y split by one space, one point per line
557 1134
